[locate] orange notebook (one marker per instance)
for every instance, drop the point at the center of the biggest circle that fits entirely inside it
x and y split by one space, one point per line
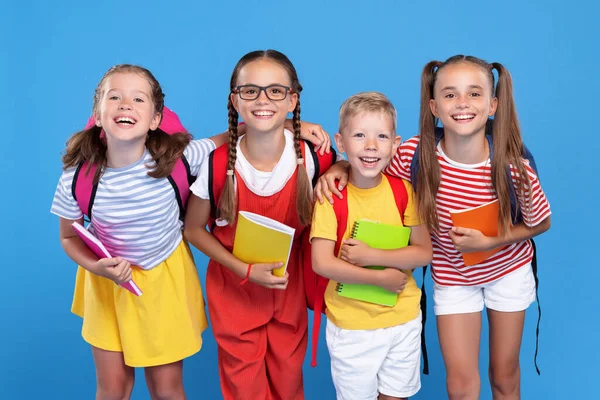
484 218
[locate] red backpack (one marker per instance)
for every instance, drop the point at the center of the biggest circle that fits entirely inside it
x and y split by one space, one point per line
84 190
315 284
217 173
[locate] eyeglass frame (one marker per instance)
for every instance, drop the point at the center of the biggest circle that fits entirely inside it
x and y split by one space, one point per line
263 89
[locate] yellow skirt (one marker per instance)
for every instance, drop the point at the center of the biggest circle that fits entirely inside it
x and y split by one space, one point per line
161 326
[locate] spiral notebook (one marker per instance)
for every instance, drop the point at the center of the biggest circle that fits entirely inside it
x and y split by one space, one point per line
379 236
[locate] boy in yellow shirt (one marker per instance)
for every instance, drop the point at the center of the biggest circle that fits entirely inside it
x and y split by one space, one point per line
375 350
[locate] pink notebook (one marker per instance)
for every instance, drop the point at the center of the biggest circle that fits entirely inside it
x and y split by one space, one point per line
98 248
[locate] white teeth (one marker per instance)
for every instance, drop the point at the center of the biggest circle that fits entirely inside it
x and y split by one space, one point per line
463 117
369 159
263 113
125 119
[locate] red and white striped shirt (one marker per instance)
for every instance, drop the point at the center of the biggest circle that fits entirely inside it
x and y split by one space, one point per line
464 186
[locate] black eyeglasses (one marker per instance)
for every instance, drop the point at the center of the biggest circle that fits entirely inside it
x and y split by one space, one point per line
273 92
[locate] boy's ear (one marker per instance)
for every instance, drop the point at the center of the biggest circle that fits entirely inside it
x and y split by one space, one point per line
339 142
397 140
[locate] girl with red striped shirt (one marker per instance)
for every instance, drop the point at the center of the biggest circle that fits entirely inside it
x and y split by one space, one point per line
468 168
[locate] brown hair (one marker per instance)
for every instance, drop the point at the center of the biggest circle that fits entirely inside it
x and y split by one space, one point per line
507 143
227 204
88 145
366 102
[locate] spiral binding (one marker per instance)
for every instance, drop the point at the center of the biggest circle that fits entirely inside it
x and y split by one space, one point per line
339 287
355 227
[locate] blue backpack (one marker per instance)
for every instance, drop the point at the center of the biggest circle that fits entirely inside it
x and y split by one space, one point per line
517 217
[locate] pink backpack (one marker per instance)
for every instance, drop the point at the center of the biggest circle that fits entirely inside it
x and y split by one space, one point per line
84 190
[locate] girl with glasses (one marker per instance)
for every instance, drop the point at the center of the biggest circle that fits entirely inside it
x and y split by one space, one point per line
259 320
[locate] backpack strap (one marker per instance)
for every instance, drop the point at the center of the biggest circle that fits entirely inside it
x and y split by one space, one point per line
340 208
401 197
321 162
181 179
217 175
534 268
83 188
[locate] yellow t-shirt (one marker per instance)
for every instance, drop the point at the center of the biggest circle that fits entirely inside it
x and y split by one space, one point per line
375 204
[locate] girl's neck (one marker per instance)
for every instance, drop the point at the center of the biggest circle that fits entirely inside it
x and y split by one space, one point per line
122 154
473 149
263 149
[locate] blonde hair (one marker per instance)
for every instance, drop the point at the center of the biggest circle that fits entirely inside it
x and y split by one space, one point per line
366 102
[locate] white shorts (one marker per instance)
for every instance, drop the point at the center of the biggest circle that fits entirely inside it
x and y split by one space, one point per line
513 292
365 363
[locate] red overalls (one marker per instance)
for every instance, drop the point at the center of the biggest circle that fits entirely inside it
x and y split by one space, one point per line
261 333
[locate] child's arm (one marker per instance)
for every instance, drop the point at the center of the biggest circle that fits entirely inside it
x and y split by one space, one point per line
116 269
326 264
198 212
313 133
418 253
469 240
327 186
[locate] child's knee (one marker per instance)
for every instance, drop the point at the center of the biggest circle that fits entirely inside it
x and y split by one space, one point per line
166 389
505 379
114 390
463 386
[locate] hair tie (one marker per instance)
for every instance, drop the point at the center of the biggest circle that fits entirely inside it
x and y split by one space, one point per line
229 172
300 161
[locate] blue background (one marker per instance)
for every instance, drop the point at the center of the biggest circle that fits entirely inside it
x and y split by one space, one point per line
54 53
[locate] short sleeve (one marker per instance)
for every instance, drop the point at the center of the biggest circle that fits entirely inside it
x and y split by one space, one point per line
400 164
411 216
63 204
200 186
324 223
536 208
197 152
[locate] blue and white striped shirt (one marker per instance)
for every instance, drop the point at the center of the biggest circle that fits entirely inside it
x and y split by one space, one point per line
134 215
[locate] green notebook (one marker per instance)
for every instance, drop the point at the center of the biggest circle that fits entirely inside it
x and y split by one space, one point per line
379 236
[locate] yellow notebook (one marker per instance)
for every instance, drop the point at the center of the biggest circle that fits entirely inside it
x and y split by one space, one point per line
379 236
259 239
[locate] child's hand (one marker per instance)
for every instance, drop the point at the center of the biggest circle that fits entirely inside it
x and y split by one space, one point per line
315 134
469 240
357 253
262 274
326 185
392 279
117 269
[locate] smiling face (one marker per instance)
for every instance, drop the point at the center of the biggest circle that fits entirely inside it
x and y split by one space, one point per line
126 110
263 114
463 99
369 141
